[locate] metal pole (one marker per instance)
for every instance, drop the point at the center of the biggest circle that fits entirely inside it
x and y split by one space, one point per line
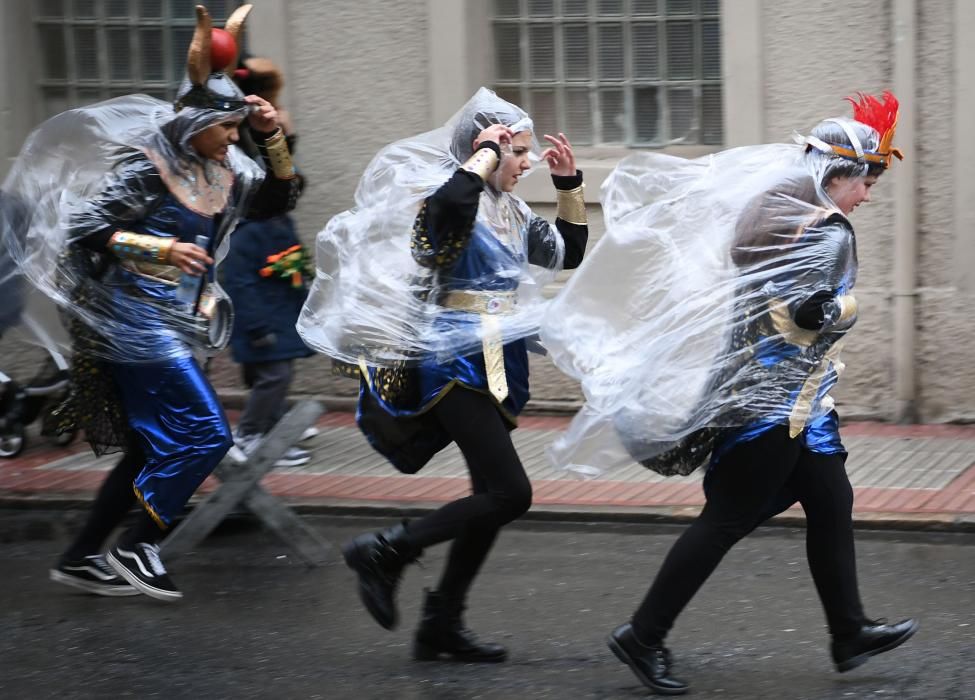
905 213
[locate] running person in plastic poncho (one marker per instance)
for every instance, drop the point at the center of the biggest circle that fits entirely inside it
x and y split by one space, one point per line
720 331
457 299
132 196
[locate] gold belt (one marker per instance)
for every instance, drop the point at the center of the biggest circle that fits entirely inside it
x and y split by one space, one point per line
167 274
488 305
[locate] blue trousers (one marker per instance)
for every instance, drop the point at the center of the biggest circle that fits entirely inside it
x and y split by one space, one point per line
181 426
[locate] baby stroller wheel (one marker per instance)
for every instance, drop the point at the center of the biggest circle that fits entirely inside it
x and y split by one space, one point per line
12 443
65 439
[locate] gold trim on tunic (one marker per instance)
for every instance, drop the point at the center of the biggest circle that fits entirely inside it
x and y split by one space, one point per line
149 509
571 206
364 372
505 413
799 415
346 369
488 305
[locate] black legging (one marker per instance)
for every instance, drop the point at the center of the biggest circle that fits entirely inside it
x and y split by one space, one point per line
740 491
114 500
501 490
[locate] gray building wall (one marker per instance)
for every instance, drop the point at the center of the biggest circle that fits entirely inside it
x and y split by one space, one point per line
946 349
357 75
366 73
17 97
804 86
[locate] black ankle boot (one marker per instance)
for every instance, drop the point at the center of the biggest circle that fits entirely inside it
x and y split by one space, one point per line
850 651
651 664
442 631
379 559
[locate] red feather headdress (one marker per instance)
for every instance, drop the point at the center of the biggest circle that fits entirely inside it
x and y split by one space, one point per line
880 115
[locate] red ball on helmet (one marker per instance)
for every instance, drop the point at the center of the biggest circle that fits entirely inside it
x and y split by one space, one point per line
223 49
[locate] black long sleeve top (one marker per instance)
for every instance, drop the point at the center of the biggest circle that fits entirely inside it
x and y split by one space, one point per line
452 209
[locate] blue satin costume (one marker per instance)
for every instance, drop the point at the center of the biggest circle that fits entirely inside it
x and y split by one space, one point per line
821 434
169 404
476 242
476 269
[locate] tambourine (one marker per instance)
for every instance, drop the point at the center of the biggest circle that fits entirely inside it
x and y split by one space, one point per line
214 319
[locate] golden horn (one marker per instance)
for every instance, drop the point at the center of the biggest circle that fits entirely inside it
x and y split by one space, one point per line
235 27
198 57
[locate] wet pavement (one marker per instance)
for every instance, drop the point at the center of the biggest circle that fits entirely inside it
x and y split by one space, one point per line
256 624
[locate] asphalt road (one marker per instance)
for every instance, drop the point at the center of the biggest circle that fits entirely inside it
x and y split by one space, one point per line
256 624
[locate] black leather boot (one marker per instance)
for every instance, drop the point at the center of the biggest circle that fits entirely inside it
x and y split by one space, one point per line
442 631
651 664
379 559
871 639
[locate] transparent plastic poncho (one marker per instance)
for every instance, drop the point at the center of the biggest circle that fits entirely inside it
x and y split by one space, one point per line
12 291
85 170
376 301
682 319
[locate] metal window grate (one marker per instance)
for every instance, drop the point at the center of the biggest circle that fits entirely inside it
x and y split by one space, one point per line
631 72
92 50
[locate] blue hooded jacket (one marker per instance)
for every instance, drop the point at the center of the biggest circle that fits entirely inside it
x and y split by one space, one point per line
264 305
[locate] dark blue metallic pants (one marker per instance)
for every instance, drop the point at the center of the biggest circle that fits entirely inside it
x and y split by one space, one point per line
181 425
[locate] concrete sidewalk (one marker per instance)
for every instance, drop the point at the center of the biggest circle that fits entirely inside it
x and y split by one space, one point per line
904 476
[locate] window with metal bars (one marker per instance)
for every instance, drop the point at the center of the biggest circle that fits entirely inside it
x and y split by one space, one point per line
625 72
92 50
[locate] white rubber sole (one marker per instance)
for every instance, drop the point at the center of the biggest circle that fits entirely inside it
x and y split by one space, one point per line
91 587
142 586
285 463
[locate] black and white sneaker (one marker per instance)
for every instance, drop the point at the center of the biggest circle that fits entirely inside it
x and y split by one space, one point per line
293 457
92 574
142 567
246 445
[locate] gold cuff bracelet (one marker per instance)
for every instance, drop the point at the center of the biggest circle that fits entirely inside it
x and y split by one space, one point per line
482 163
279 157
141 246
571 206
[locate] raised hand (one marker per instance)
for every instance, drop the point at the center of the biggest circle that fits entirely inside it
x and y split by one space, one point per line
263 117
560 158
498 133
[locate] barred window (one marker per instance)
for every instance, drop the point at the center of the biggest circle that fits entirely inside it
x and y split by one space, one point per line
92 50
631 72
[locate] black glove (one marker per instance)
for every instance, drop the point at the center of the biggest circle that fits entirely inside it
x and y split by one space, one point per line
811 314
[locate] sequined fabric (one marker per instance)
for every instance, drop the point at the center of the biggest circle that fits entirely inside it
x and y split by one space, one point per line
93 404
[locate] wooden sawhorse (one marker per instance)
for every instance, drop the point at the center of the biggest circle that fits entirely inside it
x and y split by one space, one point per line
241 484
